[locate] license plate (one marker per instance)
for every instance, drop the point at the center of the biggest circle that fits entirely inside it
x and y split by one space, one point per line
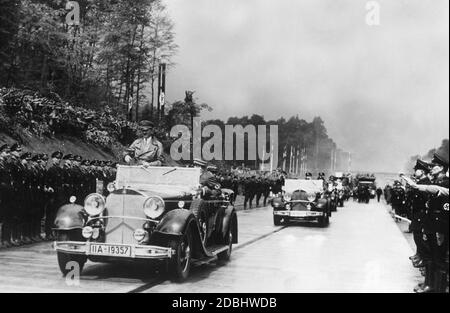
298 213
305 213
110 250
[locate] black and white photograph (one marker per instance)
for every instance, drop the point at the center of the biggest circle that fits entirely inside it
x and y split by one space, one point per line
224 153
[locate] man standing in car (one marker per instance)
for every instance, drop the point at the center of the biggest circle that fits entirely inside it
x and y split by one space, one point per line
146 150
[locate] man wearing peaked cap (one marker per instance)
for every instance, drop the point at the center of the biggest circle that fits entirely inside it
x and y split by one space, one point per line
57 155
36 157
440 161
207 179
86 162
16 147
26 156
423 166
146 150
200 163
418 207
4 147
68 157
436 228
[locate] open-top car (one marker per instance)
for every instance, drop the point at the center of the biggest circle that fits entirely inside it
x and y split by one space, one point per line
151 213
301 200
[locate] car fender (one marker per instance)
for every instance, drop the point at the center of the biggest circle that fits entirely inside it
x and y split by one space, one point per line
277 203
230 218
69 217
175 222
322 204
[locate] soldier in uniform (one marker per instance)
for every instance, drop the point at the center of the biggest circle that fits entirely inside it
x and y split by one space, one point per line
77 179
249 190
437 222
418 206
259 181
37 201
5 194
207 179
55 190
266 187
24 212
398 198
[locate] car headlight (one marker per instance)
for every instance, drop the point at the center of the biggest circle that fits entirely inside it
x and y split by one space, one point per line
111 187
94 204
139 234
87 232
311 197
154 207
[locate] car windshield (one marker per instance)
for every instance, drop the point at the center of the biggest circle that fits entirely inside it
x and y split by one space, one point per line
173 176
309 186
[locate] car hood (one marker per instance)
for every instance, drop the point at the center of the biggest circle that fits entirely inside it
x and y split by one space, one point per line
126 204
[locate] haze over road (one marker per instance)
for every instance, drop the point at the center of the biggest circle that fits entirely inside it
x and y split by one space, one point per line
382 90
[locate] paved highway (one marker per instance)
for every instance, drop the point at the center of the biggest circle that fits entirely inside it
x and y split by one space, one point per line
362 250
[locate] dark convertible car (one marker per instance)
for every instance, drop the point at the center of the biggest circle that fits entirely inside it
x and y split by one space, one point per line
301 200
151 213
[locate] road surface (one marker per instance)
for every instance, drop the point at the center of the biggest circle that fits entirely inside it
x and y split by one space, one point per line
362 250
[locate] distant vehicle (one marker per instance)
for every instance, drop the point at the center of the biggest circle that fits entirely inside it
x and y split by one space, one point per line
151 213
301 200
366 188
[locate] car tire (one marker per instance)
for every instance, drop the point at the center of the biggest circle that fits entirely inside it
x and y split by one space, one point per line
277 220
324 221
180 263
65 258
226 255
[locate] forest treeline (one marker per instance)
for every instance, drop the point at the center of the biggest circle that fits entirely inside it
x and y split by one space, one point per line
110 59
59 78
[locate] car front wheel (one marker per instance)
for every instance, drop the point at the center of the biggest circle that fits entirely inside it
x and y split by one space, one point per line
226 255
69 262
277 220
324 221
180 263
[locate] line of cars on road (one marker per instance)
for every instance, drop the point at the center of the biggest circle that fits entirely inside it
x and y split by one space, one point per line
310 200
162 214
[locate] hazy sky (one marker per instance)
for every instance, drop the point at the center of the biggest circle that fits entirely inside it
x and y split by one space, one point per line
381 90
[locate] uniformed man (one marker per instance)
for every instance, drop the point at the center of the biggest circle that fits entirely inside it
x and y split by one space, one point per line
5 194
55 190
249 182
208 181
24 212
146 150
437 222
398 197
418 206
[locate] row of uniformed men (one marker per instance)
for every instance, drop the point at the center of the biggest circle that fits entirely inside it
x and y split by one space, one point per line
34 186
252 185
427 200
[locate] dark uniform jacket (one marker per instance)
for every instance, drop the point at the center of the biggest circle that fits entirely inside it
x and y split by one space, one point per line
418 206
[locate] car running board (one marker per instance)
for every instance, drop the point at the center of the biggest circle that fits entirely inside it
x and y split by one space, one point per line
212 251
